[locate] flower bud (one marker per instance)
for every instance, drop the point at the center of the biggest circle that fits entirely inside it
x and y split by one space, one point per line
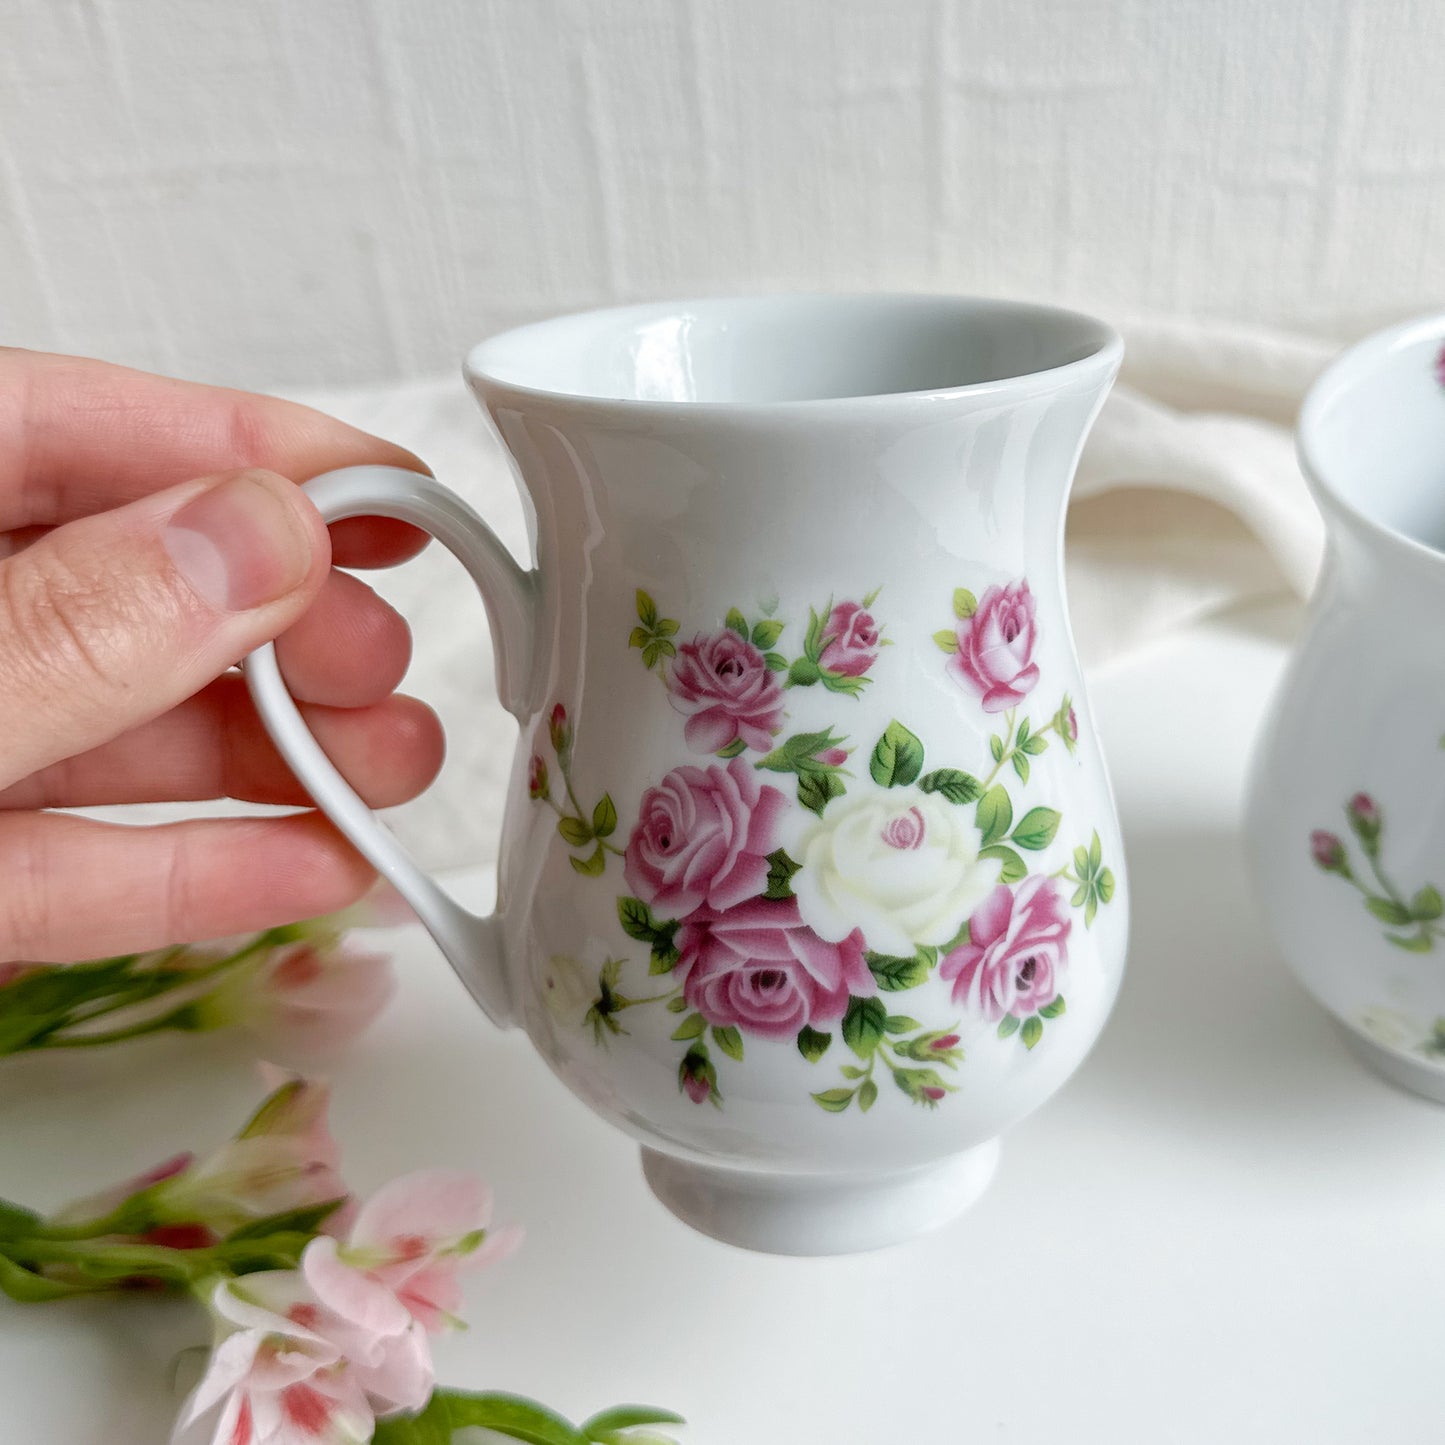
559 730
1364 816
537 778
1327 851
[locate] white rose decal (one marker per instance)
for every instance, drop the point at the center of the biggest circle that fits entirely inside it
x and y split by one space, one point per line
900 864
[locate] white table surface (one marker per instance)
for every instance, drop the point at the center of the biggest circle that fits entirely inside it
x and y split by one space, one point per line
1223 1229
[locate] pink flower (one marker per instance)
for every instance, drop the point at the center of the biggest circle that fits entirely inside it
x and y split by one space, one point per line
1017 949
759 967
850 640
312 997
995 656
406 1250
833 757
702 837
283 1159
1073 726
723 687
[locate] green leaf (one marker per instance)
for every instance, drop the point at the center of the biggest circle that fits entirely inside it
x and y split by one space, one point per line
574 831
863 1025
1426 904
451 1410
1105 886
604 817
654 652
1021 765
636 919
1413 942
666 627
1082 892
646 609
1008 1025
639 637
776 661
900 1024
765 634
1036 829
1014 868
677 1005
300 1221
1053 1008
813 1045
955 785
947 639
624 1417
867 1094
1388 911
898 758
733 749
1032 1032
893 975
813 637
1081 864
1091 908
965 604
817 789
834 1100
1096 851
995 814
592 865
804 672
851 1071
690 1028
730 1041
780 872
15 1221
664 950
995 746
1035 745
27 1288
737 622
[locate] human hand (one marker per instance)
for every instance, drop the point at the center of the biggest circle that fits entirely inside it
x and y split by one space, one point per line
151 534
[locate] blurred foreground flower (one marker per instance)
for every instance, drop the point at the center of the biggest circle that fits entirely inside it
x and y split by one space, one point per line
302 988
320 1322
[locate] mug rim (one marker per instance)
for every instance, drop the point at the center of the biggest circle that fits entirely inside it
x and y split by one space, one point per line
1102 360
1338 378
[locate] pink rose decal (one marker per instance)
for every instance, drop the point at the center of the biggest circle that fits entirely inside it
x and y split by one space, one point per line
1017 949
722 685
995 656
759 968
702 839
850 640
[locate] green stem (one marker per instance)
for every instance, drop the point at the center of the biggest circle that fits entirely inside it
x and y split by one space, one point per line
99 1038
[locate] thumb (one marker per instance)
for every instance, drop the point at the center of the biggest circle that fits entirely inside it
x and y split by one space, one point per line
112 620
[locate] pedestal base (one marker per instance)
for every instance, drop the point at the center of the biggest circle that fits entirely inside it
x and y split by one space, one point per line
1404 1072
818 1213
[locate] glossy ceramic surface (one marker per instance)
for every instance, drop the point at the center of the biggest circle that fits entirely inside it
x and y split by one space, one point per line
1346 821
810 876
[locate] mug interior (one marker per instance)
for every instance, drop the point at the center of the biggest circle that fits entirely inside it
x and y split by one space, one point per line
1372 431
765 350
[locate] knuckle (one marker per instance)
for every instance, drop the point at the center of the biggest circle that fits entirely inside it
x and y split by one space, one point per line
26 902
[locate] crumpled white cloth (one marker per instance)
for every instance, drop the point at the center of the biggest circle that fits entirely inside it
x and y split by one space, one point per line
1188 500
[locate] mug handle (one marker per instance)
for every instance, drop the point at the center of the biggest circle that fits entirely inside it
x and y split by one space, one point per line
472 945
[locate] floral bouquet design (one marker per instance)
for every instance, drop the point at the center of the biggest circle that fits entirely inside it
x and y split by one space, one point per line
784 888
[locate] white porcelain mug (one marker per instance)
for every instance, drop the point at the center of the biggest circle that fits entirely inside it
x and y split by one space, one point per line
1346 816
810 874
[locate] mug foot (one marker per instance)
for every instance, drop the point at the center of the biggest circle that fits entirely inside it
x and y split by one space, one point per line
818 1213
1403 1072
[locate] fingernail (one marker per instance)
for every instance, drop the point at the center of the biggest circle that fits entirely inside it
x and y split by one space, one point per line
241 544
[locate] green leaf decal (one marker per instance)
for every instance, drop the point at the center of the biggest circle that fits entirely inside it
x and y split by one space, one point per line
636 919
946 639
737 622
730 1041
893 975
1053 1008
1021 766
995 814
765 634
733 749
1426 904
900 1024
690 1028
955 785
965 604
1014 869
817 790
834 1100
867 1094
575 831
1413 943
780 873
646 610
1388 911
1032 1031
604 817
863 1025
813 1045
898 758
1008 1025
1036 829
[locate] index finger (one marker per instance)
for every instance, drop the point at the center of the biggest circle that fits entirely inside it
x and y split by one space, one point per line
80 436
